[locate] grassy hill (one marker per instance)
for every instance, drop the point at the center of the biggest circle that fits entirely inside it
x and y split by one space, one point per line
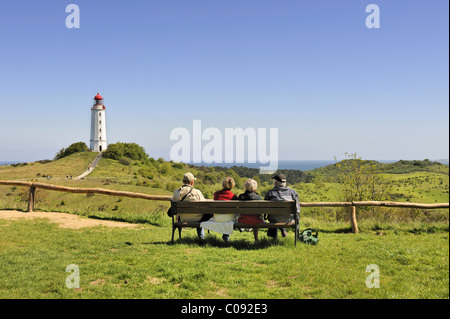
71 165
399 167
413 181
409 246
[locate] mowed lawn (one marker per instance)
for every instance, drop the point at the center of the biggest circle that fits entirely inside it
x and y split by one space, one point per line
140 262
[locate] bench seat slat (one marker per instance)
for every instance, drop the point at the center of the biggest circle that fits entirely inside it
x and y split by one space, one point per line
236 204
241 225
231 210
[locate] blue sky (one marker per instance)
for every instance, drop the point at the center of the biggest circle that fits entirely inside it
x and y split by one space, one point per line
312 69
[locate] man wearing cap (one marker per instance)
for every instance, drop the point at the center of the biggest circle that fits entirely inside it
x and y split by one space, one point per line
188 193
280 192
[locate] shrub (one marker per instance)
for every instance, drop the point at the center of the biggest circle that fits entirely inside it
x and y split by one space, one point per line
125 161
131 151
73 148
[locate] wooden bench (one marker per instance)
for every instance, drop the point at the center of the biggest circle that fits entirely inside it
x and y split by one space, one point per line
237 207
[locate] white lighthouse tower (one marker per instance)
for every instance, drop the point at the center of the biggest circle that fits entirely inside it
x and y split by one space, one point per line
98 125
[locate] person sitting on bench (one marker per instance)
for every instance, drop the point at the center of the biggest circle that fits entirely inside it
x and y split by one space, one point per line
188 193
250 194
280 192
223 223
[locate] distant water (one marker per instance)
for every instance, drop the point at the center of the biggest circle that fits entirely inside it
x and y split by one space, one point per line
303 165
8 163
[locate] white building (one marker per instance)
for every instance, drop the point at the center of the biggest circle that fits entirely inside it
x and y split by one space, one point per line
98 125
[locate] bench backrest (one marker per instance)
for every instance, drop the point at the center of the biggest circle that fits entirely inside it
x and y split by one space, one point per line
234 207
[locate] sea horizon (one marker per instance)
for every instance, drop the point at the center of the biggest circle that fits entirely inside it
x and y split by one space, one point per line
302 165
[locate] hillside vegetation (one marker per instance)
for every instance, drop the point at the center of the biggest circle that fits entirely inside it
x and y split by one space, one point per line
71 165
411 181
73 148
410 246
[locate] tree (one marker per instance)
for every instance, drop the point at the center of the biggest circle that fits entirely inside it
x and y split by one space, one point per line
73 148
131 151
361 179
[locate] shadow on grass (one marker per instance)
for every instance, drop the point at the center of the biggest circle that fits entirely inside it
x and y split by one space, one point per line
123 219
238 244
24 210
336 231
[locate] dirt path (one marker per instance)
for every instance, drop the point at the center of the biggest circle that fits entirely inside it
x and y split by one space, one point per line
63 219
90 167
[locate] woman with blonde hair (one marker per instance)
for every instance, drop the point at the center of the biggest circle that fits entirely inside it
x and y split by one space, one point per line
250 194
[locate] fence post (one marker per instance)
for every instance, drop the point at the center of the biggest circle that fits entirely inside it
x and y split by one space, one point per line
353 219
31 196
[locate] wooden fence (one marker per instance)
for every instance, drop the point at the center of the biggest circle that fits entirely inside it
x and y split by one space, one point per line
352 205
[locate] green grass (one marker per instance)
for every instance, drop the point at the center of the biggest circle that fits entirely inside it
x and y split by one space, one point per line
91 205
409 246
419 187
140 263
71 165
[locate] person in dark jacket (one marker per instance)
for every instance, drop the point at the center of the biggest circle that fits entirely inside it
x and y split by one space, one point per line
280 192
250 194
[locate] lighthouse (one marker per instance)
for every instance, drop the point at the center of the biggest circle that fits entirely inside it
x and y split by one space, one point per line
98 125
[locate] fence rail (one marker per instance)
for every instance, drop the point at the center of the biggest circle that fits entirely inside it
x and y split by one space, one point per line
352 205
